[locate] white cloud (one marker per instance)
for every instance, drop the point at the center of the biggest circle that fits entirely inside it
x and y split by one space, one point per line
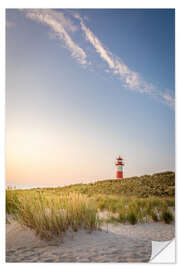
62 19
58 23
168 99
61 25
131 79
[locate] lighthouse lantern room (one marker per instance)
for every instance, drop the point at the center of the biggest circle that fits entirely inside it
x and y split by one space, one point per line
119 167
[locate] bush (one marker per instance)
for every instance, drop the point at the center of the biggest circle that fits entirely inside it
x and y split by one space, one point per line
160 184
131 217
167 216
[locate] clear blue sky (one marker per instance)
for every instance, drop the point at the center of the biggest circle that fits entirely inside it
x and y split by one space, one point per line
83 86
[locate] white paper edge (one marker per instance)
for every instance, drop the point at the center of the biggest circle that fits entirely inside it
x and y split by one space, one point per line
163 252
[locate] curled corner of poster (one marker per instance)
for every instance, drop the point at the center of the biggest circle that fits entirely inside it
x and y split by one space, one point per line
163 252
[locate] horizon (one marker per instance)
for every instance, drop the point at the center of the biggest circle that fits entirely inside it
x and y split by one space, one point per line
84 86
24 187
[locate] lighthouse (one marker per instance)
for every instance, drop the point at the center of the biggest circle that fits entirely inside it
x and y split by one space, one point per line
119 167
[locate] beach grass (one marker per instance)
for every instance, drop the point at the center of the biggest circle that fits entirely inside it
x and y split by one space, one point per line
133 210
51 215
54 211
167 216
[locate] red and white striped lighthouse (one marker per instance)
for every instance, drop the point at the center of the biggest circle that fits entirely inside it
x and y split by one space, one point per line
119 167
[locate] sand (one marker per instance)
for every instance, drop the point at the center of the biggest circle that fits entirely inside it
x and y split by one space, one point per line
121 243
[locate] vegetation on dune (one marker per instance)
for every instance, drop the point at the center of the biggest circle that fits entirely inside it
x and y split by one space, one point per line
12 202
132 209
53 211
159 184
53 215
167 216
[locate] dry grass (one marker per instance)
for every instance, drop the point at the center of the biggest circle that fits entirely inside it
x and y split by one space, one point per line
53 211
133 209
51 215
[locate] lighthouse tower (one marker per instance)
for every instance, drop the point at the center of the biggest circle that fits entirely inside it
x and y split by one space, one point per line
119 168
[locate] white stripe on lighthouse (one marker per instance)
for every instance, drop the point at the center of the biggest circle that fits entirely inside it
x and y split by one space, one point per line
119 168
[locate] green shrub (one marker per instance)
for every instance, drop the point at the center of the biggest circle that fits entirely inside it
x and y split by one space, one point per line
167 216
132 218
160 184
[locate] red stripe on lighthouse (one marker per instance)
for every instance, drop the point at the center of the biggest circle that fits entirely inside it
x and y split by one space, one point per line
119 174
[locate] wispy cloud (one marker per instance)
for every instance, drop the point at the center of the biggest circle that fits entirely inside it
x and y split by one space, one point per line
131 79
62 27
168 99
59 25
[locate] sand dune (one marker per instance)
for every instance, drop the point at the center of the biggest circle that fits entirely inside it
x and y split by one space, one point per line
122 243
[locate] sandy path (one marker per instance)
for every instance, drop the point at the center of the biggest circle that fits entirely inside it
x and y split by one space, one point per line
122 243
146 231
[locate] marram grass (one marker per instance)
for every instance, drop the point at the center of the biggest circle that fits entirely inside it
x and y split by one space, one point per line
52 216
133 210
53 211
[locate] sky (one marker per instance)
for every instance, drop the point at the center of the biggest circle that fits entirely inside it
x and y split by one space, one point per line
84 86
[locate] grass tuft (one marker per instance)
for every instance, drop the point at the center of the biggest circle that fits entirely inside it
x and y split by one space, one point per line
132 218
167 216
51 215
53 211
